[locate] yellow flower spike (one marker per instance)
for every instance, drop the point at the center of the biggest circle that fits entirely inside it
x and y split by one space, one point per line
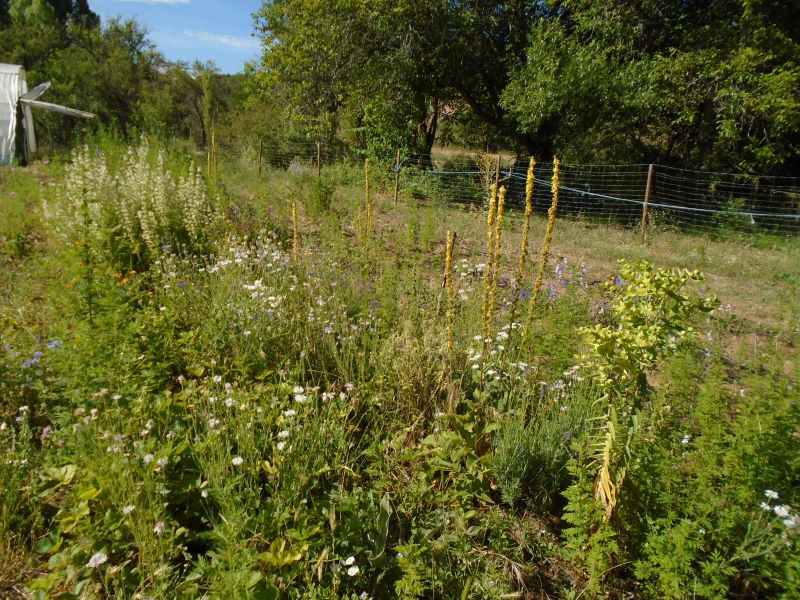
490 231
498 234
295 231
367 202
526 227
548 238
448 279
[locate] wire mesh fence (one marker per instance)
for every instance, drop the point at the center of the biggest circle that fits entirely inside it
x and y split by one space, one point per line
679 199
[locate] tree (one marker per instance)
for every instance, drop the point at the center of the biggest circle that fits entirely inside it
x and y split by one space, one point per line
396 64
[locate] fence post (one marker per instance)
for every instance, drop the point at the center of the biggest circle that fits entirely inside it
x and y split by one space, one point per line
648 188
396 176
260 154
497 175
319 160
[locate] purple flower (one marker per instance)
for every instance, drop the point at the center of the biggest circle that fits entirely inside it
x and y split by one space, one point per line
37 354
525 294
564 283
618 280
182 284
30 362
165 246
46 432
552 291
54 344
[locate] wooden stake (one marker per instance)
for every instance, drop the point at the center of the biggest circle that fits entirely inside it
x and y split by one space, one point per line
319 160
396 176
260 154
648 188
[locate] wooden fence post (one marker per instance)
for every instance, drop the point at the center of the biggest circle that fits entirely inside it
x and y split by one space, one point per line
260 154
396 176
648 188
497 175
319 160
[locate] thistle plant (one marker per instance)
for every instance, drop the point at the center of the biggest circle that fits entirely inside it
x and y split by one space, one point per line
545 253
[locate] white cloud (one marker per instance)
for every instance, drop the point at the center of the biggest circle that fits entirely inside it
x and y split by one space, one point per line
225 40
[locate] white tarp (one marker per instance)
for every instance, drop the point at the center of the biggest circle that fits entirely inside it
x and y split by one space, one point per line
12 80
15 101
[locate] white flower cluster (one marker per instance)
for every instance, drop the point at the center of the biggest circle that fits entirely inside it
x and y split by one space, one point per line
782 511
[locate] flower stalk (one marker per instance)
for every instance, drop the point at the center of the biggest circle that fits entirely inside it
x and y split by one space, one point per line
545 253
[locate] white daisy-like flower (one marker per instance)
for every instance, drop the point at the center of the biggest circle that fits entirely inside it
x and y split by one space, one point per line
217 379
162 462
128 509
237 461
351 560
353 571
781 510
289 413
280 446
771 494
298 389
301 398
97 559
283 435
230 402
148 458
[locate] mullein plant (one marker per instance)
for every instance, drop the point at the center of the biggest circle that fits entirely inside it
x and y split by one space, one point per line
498 234
548 238
490 232
295 232
526 229
367 202
448 282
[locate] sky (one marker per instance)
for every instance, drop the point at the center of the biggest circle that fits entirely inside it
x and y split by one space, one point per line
217 30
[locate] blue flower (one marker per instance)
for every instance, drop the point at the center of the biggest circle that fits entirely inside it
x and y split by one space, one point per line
30 362
552 291
618 280
37 355
182 284
54 344
525 294
564 283
165 246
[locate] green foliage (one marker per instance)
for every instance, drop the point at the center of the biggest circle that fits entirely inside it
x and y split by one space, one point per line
237 421
649 317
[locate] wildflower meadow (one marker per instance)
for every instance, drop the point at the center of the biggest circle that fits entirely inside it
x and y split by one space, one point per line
228 383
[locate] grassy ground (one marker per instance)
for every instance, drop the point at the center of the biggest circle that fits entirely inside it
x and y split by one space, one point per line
218 412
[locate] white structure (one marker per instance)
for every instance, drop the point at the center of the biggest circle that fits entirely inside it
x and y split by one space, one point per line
16 117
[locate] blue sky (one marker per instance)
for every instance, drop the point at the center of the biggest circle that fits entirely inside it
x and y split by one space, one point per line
217 30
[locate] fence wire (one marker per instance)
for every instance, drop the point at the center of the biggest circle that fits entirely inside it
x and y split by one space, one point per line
680 199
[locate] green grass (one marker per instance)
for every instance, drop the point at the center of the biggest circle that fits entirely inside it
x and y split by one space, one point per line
167 450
